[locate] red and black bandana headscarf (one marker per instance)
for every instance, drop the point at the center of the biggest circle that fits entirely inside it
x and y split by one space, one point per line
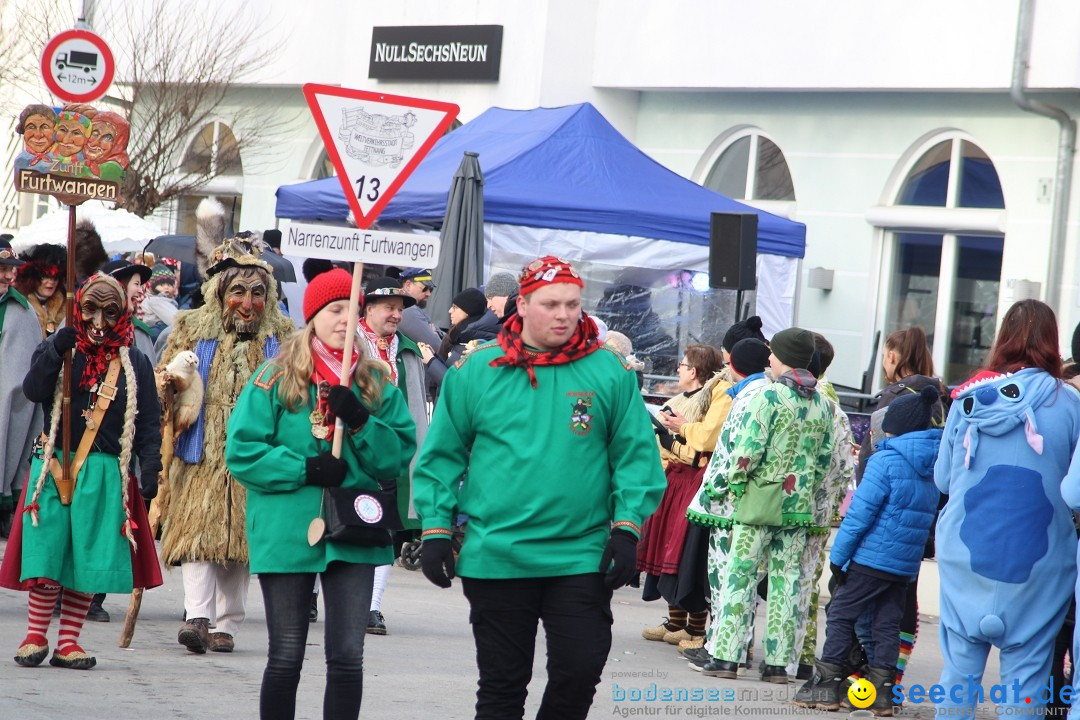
585 340
121 335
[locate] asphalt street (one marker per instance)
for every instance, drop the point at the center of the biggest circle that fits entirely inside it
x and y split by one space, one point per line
424 668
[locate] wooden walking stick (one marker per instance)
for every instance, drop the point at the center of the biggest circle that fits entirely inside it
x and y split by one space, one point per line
166 391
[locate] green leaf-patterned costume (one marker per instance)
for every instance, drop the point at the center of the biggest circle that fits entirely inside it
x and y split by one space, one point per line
780 455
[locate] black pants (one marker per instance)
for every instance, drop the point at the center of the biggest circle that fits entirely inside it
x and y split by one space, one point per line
346 591
862 590
576 610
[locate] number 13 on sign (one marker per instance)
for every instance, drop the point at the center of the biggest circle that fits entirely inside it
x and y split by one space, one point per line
374 185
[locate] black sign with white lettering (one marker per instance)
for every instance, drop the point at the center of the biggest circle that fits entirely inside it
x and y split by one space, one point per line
436 52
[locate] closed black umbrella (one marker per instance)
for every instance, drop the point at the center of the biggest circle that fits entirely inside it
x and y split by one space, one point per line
461 259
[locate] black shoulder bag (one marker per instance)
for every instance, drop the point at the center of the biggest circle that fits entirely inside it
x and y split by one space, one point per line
367 518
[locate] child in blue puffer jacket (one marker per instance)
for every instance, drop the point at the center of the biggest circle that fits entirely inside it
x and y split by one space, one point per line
878 550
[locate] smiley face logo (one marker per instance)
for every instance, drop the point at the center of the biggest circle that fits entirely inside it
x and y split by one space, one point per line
862 693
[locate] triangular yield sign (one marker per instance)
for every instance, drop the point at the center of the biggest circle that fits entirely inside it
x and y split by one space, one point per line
375 140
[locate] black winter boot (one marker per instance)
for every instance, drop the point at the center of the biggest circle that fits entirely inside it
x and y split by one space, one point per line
822 690
883 680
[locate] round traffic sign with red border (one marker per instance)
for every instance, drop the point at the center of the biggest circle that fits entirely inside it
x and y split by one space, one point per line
77 66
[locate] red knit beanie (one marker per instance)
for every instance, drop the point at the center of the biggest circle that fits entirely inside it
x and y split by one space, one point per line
326 288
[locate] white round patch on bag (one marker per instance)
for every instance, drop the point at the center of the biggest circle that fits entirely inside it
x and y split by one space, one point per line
368 508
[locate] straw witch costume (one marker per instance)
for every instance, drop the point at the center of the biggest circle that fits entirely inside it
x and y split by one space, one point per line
203 513
91 536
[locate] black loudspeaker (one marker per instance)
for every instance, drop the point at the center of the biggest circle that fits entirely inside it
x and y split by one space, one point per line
733 251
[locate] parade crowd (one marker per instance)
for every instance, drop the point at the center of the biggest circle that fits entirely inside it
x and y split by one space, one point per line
515 450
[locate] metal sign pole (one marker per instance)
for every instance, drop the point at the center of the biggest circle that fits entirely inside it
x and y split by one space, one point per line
69 296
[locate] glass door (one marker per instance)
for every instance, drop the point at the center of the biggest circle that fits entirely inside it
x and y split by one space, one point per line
948 284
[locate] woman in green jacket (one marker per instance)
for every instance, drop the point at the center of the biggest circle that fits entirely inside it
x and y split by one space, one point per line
278 447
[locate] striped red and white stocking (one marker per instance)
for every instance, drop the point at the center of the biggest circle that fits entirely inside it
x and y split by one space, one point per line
40 609
72 616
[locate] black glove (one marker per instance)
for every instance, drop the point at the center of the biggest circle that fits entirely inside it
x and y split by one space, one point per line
437 561
148 486
619 562
348 407
666 440
64 340
838 573
326 470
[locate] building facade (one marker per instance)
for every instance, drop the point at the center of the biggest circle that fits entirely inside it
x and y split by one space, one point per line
887 128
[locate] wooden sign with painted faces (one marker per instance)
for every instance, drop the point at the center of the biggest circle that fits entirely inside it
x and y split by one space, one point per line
76 152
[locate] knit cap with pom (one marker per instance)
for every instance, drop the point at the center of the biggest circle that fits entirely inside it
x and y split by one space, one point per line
910 413
748 328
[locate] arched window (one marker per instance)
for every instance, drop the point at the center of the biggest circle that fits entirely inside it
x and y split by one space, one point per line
749 166
323 167
213 153
943 250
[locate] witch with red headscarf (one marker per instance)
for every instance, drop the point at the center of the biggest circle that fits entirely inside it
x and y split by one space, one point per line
105 153
85 531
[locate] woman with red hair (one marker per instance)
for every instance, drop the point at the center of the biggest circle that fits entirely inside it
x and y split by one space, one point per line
1006 543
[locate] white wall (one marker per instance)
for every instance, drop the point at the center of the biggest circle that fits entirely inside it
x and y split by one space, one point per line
830 44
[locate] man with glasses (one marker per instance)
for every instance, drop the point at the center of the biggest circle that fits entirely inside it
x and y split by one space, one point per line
415 324
20 333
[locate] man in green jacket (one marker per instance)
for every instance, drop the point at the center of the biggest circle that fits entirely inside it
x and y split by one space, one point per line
549 432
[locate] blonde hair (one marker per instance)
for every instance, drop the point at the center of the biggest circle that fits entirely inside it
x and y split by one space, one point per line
295 361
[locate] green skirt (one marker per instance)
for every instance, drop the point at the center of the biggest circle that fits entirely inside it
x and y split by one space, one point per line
80 546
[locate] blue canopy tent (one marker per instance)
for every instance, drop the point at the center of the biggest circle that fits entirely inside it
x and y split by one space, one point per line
565 181
564 168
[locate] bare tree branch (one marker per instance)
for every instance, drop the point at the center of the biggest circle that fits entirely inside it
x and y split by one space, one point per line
178 72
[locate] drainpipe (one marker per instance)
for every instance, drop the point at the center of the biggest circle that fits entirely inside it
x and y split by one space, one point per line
1066 142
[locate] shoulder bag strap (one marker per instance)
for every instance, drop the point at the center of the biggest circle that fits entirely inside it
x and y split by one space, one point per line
106 394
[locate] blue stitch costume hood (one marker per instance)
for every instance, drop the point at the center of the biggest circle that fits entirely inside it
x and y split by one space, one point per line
993 404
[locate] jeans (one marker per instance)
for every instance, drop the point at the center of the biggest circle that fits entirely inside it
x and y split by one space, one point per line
346 591
576 611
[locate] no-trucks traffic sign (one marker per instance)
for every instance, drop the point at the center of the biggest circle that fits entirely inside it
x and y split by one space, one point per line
77 66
